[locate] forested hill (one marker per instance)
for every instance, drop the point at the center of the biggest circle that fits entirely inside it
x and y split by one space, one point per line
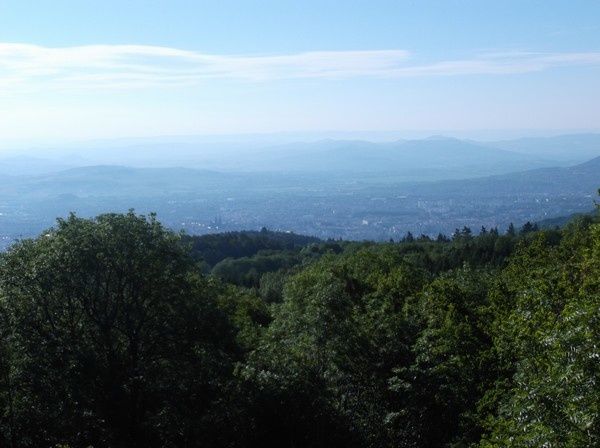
213 248
113 334
242 258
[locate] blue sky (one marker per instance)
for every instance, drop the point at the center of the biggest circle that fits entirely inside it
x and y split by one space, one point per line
104 69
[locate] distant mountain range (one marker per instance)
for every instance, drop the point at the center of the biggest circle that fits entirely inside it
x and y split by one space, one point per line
563 148
434 158
437 157
583 179
126 181
337 189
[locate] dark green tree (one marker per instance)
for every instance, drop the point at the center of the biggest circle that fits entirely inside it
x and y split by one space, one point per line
115 340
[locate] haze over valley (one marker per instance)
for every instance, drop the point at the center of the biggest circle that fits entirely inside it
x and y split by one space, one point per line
347 189
299 224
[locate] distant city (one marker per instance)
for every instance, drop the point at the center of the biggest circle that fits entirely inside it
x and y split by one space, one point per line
336 189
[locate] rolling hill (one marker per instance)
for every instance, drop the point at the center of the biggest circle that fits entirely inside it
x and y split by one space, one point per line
583 178
564 148
433 158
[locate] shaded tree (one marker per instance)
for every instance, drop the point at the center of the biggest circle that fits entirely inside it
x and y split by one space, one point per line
116 341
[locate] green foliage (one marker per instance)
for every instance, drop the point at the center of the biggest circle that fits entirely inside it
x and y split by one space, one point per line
115 341
113 335
215 248
247 271
451 366
549 330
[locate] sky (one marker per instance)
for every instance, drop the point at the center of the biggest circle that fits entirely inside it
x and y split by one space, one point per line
90 69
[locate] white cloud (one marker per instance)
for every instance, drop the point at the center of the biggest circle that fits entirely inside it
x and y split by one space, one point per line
499 64
129 66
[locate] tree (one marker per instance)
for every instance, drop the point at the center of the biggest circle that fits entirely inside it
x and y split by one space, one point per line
528 227
451 368
441 238
110 336
547 320
511 230
116 341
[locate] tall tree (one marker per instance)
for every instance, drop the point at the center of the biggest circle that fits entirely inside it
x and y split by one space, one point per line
116 342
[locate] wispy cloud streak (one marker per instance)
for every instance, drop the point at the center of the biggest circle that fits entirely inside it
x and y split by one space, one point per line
130 66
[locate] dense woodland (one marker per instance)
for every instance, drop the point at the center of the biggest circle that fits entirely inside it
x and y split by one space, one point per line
116 332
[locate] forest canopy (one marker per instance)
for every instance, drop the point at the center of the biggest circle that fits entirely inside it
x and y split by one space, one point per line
116 332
